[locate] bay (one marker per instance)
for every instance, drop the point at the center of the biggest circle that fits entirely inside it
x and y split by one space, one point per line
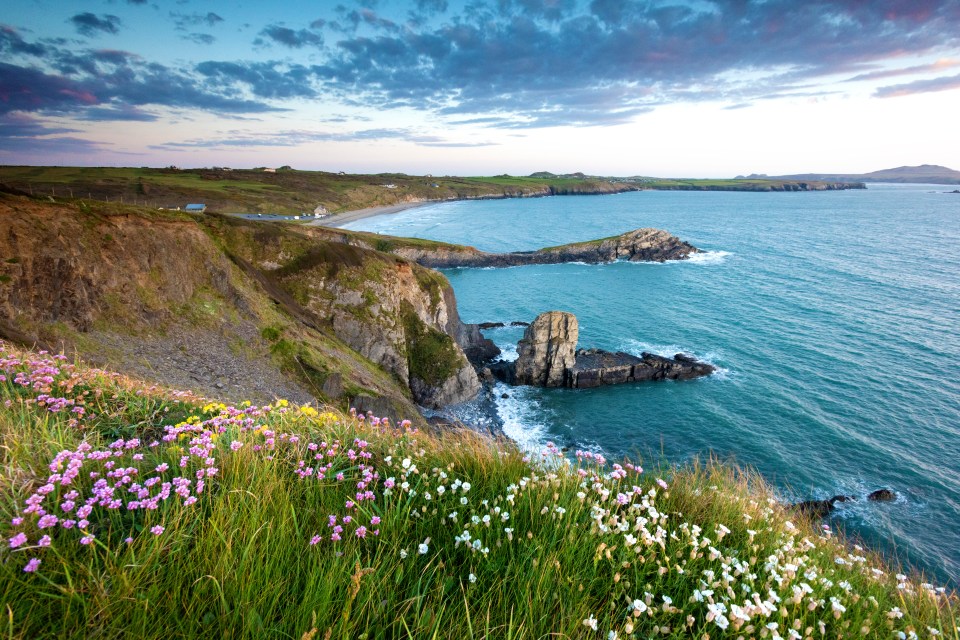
834 318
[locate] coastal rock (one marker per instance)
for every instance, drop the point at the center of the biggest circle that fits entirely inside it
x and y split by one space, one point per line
596 367
547 350
882 495
819 508
649 245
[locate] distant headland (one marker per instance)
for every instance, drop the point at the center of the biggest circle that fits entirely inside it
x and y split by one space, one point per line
922 174
288 191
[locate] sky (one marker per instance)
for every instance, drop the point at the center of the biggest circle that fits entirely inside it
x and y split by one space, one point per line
669 88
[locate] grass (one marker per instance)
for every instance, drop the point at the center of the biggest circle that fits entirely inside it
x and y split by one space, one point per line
297 192
299 522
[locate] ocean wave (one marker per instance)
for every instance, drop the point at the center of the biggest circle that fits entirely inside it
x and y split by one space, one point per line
637 347
708 257
523 419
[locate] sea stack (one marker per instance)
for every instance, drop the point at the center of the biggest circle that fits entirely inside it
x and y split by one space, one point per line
547 350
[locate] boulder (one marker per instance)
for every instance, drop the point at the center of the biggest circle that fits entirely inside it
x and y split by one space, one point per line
882 495
547 350
819 508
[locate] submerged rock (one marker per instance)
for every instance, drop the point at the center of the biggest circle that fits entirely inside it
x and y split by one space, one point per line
882 495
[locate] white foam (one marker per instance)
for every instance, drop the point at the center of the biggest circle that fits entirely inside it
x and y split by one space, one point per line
707 257
637 347
508 352
519 413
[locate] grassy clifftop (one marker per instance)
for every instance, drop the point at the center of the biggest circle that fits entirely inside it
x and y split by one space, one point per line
291 191
132 511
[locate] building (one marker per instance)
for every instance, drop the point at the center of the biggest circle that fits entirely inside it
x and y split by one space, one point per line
195 208
269 170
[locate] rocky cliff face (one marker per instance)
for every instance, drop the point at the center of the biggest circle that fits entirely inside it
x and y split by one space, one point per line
547 350
401 316
237 310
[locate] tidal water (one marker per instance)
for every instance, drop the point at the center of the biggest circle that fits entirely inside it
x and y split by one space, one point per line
834 318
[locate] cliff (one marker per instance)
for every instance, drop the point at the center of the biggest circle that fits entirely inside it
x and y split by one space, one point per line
167 296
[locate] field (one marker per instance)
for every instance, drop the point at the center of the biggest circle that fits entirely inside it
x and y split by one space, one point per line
132 511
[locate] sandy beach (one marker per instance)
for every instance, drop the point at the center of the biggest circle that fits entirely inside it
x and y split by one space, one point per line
346 217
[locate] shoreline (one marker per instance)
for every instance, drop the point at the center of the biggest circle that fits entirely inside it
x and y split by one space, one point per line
337 220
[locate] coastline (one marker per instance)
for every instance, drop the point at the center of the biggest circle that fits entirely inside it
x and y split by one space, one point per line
339 219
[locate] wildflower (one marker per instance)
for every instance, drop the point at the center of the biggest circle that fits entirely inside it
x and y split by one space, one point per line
403 554
315 539
612 635
424 547
375 520
472 578
87 539
663 485
591 622
157 530
361 532
44 541
235 445
32 565
18 540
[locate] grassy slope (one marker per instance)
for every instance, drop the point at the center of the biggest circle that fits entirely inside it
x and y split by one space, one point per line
547 547
291 191
300 346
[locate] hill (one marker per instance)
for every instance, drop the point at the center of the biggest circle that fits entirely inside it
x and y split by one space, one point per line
232 308
923 174
290 191
130 510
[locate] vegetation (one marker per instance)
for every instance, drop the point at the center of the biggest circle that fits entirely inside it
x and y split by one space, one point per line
130 511
431 354
290 191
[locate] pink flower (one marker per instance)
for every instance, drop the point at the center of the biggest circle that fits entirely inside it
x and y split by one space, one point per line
44 541
361 532
315 539
375 520
32 565
18 540
87 539
235 445
157 530
663 485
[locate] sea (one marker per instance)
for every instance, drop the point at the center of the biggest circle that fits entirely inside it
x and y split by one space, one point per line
833 318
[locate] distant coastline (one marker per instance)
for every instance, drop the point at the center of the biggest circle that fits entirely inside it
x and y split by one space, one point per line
346 217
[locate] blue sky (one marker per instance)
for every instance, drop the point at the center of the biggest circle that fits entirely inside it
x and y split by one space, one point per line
620 87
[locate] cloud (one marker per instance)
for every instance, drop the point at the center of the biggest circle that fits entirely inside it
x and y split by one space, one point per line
265 79
121 113
946 83
554 62
11 43
288 37
20 125
199 38
297 137
184 21
939 65
89 25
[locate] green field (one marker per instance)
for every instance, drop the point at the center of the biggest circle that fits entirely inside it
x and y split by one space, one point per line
290 191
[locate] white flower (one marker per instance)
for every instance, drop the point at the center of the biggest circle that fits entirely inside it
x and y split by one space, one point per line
472 578
440 490
424 547
591 622
612 635
406 463
466 486
639 606
403 553
463 500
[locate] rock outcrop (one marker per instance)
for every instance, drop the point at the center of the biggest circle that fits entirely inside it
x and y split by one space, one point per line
882 495
818 509
639 245
596 367
547 350
549 358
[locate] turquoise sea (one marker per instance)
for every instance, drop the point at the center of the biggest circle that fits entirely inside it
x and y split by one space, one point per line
834 318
